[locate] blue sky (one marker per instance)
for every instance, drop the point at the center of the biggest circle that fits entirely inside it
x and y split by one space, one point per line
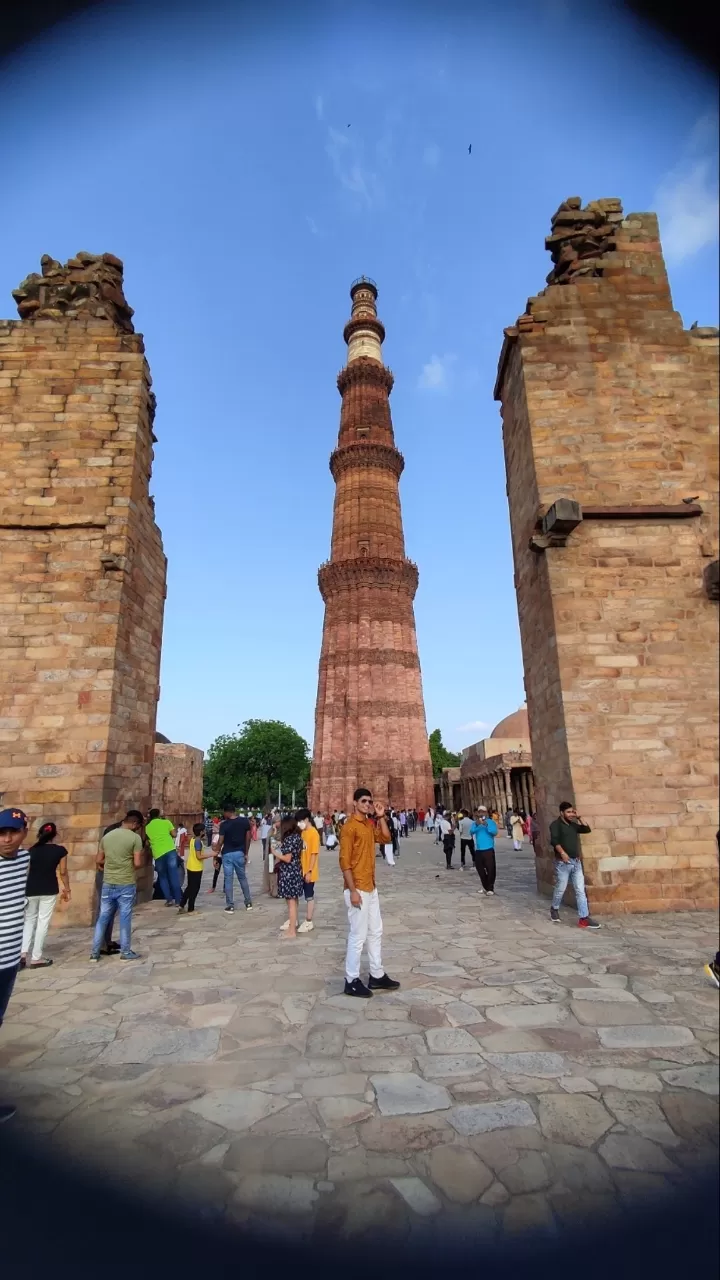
211 151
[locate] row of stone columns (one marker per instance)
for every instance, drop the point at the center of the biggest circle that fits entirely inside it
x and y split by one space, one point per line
501 789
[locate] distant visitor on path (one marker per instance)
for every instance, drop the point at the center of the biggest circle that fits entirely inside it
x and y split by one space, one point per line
467 844
358 838
234 849
483 832
120 855
565 834
310 865
518 829
48 861
196 855
289 872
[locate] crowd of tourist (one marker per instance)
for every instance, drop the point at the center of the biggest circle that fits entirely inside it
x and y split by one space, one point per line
33 876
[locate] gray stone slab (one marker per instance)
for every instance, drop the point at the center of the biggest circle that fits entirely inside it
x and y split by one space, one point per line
236 1109
417 1196
627 1151
483 1117
626 1078
529 1064
451 1066
459 1173
401 1094
642 1037
573 1118
90 1035
591 1013
704 1078
163 1045
450 1040
530 1015
375 1029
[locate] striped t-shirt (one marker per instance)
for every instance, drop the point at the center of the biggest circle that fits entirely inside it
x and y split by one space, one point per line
13 879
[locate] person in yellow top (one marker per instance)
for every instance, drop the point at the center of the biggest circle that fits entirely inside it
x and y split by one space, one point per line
310 865
196 855
366 827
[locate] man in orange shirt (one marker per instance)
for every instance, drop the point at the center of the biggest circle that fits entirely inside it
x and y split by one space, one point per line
358 837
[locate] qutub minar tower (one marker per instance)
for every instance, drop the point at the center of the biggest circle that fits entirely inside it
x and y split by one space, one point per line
370 719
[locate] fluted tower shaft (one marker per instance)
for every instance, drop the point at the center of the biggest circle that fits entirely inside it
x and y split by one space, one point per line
370 718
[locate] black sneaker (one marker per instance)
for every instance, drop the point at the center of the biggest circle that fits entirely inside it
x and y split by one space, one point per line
555 915
713 971
383 984
248 906
229 910
357 988
587 922
7 1111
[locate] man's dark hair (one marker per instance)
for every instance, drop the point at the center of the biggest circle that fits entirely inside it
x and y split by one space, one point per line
566 805
229 808
198 828
362 791
134 815
154 813
303 815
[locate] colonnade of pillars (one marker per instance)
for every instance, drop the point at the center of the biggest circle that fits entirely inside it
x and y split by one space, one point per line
501 789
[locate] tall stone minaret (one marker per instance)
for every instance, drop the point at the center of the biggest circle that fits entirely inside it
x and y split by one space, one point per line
370 719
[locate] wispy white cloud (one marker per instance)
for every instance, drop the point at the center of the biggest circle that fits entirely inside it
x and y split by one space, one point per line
319 107
312 224
472 726
687 198
436 373
347 158
431 155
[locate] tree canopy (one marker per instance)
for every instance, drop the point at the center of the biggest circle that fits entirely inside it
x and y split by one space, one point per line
248 767
440 757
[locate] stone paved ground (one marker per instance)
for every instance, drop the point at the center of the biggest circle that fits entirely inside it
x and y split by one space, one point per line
526 1076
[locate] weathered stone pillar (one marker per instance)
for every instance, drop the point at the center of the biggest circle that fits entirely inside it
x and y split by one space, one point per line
84 570
611 535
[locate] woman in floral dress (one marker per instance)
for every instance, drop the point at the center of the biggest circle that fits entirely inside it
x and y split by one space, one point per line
289 872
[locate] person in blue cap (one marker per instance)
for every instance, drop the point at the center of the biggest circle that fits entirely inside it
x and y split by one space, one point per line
14 867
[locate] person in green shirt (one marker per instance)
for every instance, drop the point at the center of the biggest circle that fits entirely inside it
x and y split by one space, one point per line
119 855
565 834
160 833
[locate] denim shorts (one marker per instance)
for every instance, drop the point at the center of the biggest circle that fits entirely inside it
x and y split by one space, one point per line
308 890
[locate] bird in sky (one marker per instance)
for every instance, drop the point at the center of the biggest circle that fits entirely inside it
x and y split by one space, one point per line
470 149
348 126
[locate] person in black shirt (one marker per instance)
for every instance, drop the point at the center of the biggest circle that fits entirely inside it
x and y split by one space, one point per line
565 834
234 847
48 860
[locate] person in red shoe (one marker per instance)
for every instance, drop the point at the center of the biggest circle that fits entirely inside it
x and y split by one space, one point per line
366 827
565 834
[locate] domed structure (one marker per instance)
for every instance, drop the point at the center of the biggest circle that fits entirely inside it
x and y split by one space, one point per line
514 726
160 737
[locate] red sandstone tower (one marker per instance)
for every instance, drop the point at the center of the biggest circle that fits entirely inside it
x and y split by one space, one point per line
370 718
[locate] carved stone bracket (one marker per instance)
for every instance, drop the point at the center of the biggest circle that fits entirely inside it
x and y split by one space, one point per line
365 372
87 285
364 322
557 524
370 571
382 456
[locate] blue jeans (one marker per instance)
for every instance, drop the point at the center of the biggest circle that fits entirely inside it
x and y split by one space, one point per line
234 863
573 871
115 897
167 868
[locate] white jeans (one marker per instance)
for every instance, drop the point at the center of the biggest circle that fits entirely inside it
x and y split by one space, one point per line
389 857
517 844
38 914
365 926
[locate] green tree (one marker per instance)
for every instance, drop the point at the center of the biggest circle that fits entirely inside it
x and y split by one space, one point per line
249 766
440 757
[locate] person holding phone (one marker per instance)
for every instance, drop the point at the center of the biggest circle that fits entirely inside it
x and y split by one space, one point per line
365 828
483 832
565 834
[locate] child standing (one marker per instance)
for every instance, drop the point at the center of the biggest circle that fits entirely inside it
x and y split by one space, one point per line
309 860
196 855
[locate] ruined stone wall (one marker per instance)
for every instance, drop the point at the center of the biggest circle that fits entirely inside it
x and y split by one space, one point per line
82 570
177 780
608 401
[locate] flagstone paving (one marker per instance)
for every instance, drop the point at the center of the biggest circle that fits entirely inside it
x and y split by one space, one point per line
526 1076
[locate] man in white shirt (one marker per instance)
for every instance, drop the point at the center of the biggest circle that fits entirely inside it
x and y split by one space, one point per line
467 844
14 867
319 822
